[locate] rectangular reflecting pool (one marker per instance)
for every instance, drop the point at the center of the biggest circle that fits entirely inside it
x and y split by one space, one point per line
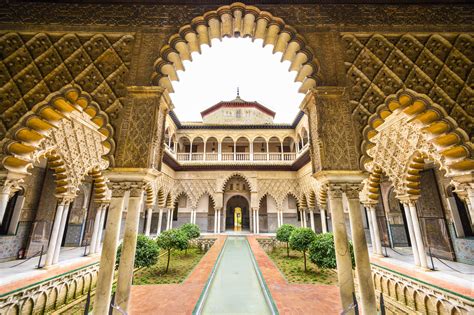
235 286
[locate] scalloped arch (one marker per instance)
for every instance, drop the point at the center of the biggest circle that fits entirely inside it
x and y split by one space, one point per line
22 141
451 142
437 137
237 20
236 174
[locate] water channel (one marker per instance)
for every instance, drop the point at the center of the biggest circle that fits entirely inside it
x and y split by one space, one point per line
236 286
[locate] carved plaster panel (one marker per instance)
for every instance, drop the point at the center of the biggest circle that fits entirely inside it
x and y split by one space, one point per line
35 65
439 66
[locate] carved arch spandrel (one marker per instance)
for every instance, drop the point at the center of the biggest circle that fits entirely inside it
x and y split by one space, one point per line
405 131
237 20
70 130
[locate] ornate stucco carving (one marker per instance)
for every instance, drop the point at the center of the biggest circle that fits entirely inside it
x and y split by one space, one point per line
35 65
437 65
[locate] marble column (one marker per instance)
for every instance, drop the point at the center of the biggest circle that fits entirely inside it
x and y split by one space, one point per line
257 215
171 218
278 218
215 220
375 225
419 239
281 218
311 219
108 255
168 214
343 256
4 197
411 233
101 228
160 221
324 226
191 219
62 229
129 245
95 230
149 214
55 232
361 253
219 211
371 228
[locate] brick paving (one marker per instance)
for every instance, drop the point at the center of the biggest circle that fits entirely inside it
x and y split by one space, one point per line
295 298
175 298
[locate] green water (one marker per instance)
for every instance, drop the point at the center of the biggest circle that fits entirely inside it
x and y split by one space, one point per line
235 288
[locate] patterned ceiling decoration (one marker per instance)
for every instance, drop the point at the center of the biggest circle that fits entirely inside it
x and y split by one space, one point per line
32 66
439 66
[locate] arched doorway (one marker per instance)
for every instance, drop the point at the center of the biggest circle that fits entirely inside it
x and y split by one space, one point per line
237 214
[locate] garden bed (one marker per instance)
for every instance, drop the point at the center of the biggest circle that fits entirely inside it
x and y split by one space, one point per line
293 267
181 265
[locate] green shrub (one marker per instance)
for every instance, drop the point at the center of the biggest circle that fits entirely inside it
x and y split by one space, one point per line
172 239
283 235
191 230
323 253
146 253
301 239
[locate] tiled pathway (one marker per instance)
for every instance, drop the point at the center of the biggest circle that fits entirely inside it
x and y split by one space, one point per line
295 298
175 298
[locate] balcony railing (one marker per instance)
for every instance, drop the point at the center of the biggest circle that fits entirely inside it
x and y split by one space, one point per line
236 157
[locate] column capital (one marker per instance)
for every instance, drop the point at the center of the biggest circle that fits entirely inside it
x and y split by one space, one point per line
9 185
352 191
408 199
119 188
65 199
335 191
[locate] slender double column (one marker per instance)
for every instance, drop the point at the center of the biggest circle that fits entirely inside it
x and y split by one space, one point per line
193 215
343 255
371 228
281 217
149 215
109 250
95 231
311 219
377 245
52 255
160 221
416 231
219 220
127 259
101 228
324 226
4 197
256 223
361 252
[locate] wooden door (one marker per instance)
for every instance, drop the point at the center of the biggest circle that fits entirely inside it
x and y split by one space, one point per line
432 218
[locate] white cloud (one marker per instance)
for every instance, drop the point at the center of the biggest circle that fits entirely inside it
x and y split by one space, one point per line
215 74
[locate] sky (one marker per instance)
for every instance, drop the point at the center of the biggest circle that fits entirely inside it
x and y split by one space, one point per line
215 74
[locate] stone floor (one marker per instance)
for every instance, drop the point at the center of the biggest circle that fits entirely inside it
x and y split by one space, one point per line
20 273
401 260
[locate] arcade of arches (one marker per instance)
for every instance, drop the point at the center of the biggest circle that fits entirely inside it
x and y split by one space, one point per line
381 152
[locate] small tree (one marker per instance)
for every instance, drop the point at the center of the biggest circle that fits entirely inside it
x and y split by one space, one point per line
191 230
323 253
146 253
283 235
172 239
301 239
